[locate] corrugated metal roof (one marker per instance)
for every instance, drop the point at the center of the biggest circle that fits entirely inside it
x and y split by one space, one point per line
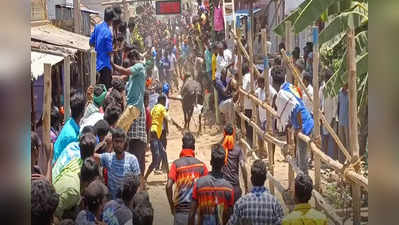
37 62
56 36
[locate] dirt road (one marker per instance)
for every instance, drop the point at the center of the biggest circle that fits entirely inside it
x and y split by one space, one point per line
156 183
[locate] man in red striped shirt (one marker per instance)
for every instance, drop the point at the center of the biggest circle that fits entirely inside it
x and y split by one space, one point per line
184 172
213 196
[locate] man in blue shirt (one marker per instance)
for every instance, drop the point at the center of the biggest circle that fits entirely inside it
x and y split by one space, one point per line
70 131
224 90
299 116
101 39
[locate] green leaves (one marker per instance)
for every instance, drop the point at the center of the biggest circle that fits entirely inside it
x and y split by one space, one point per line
339 25
310 13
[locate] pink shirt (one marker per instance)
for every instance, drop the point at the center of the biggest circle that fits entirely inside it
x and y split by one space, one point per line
218 20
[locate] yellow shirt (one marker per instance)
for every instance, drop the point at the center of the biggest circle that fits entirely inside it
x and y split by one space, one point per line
303 214
213 66
158 113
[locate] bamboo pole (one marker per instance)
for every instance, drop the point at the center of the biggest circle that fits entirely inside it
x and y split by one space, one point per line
322 117
252 69
353 132
288 47
93 71
242 122
316 104
47 104
255 100
265 136
67 87
291 148
77 16
125 11
348 172
268 100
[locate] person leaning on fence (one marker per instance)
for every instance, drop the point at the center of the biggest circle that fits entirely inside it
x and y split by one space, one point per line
225 100
303 213
292 111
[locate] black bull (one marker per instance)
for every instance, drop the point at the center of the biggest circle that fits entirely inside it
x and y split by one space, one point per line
192 95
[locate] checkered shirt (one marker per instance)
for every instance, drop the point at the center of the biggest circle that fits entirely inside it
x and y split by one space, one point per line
259 207
138 129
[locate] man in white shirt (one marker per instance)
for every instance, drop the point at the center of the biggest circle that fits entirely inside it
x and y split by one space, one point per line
227 54
261 94
172 70
307 80
221 62
246 85
329 107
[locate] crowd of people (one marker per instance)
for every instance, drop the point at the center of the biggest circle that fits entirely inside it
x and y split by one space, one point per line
94 171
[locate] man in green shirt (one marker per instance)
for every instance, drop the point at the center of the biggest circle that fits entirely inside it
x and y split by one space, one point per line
134 90
67 183
303 213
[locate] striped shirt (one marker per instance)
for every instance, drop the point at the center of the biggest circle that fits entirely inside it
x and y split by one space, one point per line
257 208
214 196
118 168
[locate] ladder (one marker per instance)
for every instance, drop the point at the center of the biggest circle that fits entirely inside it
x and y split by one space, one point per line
229 10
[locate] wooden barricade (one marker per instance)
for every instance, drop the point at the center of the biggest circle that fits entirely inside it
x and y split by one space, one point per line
349 171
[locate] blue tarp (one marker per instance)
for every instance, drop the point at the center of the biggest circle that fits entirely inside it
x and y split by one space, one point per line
241 13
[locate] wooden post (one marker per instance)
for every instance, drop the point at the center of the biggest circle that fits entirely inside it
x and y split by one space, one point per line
288 50
125 11
93 71
47 104
291 148
269 119
32 99
250 43
77 16
316 104
243 130
67 87
353 132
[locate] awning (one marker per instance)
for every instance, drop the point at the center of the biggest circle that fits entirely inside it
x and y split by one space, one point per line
51 34
37 62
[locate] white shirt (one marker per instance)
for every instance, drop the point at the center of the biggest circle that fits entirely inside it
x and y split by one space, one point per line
228 56
172 60
220 64
306 100
329 105
148 41
261 94
246 85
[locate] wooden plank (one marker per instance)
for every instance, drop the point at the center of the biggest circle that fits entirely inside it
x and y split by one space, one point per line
259 131
93 71
77 20
349 173
47 104
257 101
316 104
353 131
67 87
